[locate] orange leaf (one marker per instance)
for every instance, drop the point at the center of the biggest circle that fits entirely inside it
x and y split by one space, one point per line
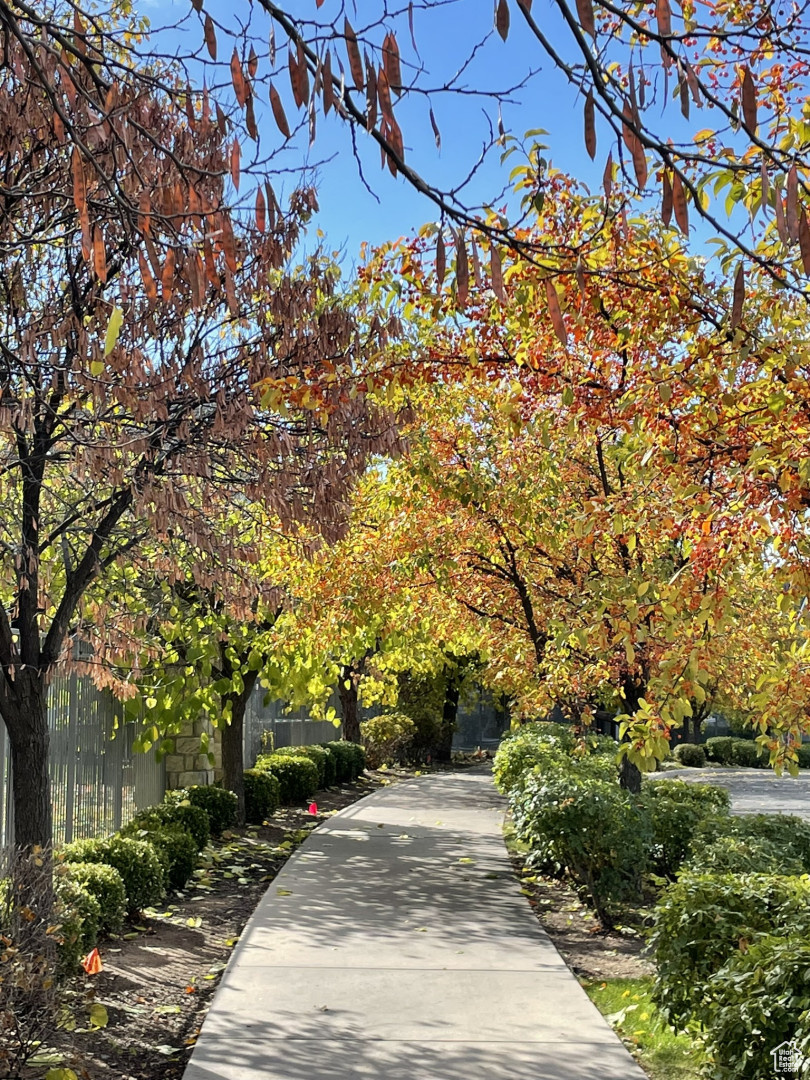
585 16
261 211
148 281
355 63
502 19
167 277
278 113
738 298
557 320
238 79
235 152
590 126
210 37
79 185
391 63
99 255
679 205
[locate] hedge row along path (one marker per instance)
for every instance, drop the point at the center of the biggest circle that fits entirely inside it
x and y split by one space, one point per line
754 791
395 943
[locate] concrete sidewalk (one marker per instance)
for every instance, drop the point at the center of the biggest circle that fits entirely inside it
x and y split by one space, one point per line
395 944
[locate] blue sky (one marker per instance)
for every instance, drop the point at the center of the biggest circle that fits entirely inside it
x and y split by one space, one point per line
445 37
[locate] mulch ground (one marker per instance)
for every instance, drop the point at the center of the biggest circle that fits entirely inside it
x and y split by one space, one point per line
160 974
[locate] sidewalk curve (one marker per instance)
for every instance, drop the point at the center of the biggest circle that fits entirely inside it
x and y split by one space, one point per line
395 944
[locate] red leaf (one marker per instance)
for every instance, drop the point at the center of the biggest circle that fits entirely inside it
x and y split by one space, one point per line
355 63
210 36
278 113
557 320
502 18
590 126
738 297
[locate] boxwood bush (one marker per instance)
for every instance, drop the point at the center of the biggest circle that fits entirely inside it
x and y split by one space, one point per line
691 755
703 919
592 828
78 916
262 795
193 819
324 761
786 832
748 754
720 749
297 775
349 757
219 805
175 848
107 886
758 1000
135 860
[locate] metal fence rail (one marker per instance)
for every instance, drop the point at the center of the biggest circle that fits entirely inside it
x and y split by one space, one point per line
286 728
97 780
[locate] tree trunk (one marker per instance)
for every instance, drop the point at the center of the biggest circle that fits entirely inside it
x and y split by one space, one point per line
349 706
630 776
444 748
233 755
29 739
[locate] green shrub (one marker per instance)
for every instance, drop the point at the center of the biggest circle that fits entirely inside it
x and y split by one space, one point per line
193 819
788 833
803 753
720 749
747 753
219 805
78 916
589 826
701 920
691 755
107 886
673 825
323 760
175 847
760 999
349 758
710 797
387 738
262 795
742 855
135 860
536 746
297 775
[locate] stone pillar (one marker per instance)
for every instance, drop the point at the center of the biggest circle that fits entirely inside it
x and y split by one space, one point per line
187 766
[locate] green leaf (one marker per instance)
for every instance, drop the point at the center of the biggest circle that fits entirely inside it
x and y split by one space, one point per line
98 1016
60 1074
113 330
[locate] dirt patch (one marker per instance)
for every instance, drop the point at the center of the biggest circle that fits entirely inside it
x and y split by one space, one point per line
589 950
160 974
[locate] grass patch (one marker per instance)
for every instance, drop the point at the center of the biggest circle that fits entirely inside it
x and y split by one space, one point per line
627 1005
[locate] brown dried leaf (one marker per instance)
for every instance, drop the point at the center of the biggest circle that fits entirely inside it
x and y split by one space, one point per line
238 79
792 204
692 80
590 126
804 241
250 119
764 183
222 120
663 16
666 201
502 19
557 320
749 101
462 270
436 133
781 223
738 297
679 204
278 113
210 36
391 63
328 84
148 281
167 277
355 63
235 154
253 63
384 92
99 255
607 176
525 4
303 71
79 184
476 265
586 17
261 211
371 95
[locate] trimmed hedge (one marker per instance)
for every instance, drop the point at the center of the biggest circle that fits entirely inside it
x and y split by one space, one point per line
219 805
701 921
748 754
107 886
135 860
592 828
691 755
324 762
262 795
350 760
720 749
78 916
192 819
788 833
742 855
710 797
175 848
673 824
297 775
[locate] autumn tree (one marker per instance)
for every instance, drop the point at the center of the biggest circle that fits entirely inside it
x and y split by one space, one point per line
158 354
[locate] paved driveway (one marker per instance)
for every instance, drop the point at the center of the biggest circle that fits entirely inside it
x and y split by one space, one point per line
755 791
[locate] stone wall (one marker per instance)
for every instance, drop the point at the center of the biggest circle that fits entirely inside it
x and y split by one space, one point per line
187 766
